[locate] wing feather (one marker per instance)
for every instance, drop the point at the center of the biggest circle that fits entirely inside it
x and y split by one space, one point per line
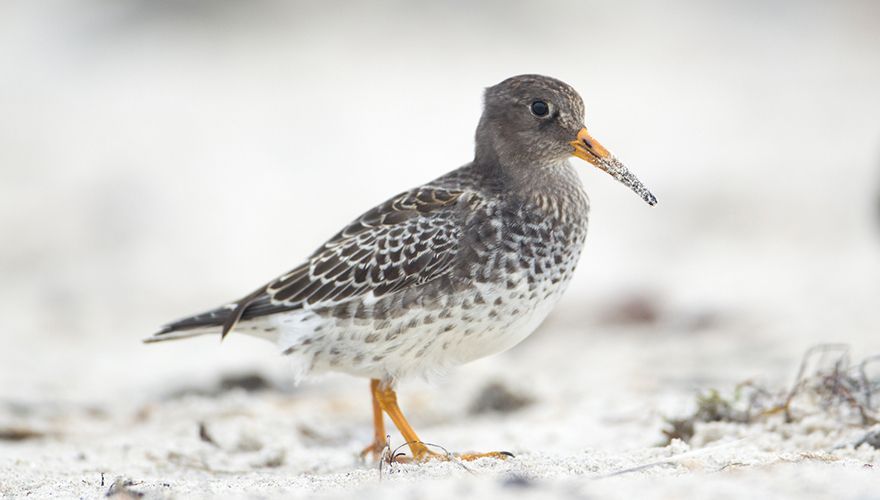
409 240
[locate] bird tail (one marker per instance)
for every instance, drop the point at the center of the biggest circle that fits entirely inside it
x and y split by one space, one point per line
206 323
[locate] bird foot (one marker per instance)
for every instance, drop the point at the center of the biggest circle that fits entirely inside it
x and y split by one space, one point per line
377 449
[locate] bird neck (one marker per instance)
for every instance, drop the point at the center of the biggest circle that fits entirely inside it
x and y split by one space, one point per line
553 189
508 158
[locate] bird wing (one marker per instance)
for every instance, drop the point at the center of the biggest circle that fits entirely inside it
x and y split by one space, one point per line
409 240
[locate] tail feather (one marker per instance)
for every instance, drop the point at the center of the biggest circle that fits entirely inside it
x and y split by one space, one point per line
163 335
200 324
223 319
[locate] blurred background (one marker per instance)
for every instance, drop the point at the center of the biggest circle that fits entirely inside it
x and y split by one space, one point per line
160 157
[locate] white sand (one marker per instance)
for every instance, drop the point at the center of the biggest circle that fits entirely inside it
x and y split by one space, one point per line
594 431
156 161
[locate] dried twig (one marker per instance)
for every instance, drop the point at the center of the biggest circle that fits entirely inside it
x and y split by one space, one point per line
205 436
840 388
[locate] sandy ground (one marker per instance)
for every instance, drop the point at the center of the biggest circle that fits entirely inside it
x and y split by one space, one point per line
592 426
164 157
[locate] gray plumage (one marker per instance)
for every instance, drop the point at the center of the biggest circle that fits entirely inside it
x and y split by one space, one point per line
464 266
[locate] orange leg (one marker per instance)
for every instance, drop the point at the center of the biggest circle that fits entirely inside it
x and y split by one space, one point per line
387 400
379 436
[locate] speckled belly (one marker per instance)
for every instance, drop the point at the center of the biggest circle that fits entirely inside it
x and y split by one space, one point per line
431 336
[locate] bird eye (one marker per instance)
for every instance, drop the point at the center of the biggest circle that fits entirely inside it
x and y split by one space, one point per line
540 109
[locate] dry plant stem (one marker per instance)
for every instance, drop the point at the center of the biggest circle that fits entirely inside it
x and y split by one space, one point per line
851 399
799 379
757 392
673 460
826 381
866 382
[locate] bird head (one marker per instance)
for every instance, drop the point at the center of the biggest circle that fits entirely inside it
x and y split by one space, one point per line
531 120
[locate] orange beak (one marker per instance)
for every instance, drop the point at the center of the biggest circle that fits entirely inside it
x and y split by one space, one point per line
589 149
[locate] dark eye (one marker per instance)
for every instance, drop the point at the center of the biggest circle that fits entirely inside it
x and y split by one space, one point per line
540 108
